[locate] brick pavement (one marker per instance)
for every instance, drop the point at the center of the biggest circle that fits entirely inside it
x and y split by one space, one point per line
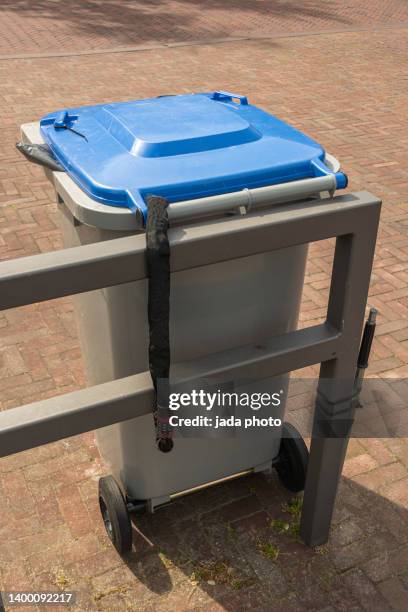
216 550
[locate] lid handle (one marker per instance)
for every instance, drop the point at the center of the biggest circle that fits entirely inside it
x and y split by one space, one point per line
226 95
61 119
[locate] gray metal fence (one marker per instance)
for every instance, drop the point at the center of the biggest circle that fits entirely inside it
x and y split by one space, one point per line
352 218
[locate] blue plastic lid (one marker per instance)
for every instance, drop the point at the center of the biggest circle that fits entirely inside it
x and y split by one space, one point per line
180 147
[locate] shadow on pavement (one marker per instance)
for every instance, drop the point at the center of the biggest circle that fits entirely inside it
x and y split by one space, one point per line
238 545
135 22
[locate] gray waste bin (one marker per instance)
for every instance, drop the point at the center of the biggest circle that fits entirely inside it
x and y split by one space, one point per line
214 308
217 155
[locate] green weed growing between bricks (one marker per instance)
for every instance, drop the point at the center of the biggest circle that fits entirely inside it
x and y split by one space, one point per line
291 526
61 580
268 550
120 590
215 572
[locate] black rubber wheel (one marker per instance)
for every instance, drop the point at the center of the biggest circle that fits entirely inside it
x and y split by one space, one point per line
115 514
292 459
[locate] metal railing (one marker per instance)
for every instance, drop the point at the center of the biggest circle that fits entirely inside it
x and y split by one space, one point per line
351 218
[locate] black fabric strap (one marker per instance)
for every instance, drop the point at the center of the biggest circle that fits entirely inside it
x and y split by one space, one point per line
158 267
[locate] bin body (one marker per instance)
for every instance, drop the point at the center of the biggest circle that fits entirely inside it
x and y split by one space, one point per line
213 308
189 149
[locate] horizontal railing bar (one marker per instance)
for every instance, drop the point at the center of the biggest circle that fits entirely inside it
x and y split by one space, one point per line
38 278
76 270
119 400
67 415
284 353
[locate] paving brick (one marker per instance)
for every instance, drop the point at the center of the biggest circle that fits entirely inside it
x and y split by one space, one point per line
120 579
91 566
378 449
355 553
62 551
355 448
395 593
399 448
378 568
17 493
359 465
15 576
388 564
398 492
346 532
382 476
74 511
364 591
